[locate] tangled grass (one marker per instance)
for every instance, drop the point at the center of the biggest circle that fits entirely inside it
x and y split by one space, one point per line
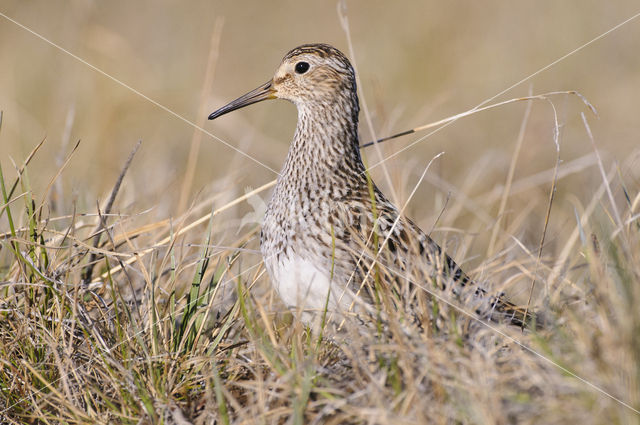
110 317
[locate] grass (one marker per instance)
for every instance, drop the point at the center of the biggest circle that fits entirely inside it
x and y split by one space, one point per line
106 320
130 311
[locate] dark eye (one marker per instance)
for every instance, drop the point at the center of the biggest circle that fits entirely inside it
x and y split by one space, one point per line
302 67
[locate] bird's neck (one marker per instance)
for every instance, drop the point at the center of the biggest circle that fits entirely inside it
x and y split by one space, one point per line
325 141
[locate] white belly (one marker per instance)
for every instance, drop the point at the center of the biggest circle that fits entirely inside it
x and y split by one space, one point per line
308 290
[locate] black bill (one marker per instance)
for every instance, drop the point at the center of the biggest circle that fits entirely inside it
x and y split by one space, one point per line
263 92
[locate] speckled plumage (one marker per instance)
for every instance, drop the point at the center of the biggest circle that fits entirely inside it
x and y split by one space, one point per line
328 226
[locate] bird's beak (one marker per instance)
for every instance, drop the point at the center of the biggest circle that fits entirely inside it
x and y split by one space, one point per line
263 92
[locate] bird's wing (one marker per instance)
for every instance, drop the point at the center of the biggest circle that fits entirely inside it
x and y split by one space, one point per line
390 251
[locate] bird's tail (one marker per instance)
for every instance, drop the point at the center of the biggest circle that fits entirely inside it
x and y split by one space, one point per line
513 314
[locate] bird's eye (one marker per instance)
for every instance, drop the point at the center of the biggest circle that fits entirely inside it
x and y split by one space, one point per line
302 67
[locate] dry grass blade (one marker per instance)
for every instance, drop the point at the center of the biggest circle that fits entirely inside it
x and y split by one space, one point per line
446 121
196 138
602 172
510 174
60 170
552 192
24 163
88 271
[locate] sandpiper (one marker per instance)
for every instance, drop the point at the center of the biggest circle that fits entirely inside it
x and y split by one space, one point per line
331 241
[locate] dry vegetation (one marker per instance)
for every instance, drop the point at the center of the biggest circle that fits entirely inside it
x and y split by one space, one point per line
152 306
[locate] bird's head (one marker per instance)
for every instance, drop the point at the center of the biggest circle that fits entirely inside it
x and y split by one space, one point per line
309 75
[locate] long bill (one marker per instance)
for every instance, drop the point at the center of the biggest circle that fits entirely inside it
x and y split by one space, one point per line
263 92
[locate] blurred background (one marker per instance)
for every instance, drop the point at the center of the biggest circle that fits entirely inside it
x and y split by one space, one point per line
417 62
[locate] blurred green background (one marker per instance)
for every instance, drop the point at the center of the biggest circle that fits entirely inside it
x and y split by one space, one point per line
417 61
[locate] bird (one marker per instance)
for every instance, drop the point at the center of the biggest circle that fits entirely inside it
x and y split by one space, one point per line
331 241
